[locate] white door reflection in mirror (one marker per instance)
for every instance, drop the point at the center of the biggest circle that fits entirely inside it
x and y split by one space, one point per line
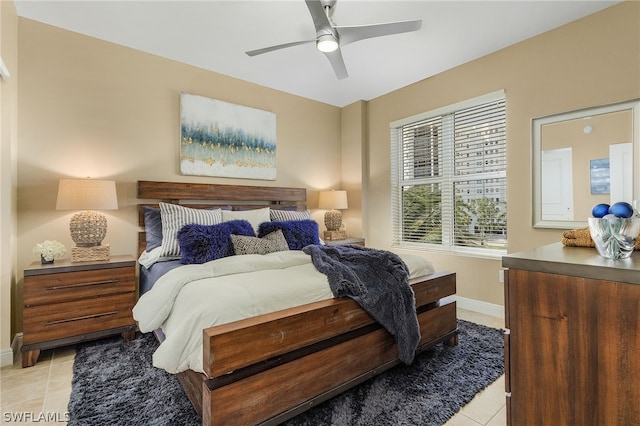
621 172
557 184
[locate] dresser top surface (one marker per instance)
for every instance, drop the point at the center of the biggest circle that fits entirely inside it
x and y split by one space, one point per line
575 261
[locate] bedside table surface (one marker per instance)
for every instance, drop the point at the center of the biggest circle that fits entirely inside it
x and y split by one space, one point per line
65 265
358 241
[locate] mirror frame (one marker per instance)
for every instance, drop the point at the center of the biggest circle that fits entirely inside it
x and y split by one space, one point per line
536 156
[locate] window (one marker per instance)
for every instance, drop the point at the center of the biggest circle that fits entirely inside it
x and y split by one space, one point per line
449 183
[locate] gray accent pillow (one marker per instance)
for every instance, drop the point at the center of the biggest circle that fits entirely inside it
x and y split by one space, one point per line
270 243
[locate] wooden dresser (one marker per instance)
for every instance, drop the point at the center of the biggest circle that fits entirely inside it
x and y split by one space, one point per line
572 341
67 303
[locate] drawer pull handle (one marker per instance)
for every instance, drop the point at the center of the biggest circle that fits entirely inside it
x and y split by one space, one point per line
81 318
62 287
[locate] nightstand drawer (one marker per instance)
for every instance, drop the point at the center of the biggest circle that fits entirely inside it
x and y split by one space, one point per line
70 286
50 322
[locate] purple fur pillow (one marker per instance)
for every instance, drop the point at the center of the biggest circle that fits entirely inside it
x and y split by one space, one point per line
203 243
298 233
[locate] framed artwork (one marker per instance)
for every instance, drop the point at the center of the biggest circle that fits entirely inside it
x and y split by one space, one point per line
600 176
226 140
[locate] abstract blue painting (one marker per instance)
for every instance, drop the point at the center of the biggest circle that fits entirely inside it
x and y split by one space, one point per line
221 139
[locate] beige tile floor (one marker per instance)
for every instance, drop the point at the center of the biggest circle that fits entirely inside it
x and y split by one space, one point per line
42 391
488 407
37 395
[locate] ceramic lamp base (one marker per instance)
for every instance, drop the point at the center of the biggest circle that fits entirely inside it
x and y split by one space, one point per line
333 220
88 228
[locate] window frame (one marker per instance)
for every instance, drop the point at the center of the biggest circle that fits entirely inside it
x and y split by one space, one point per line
398 181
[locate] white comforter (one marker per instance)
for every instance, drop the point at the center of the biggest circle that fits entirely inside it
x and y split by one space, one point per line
190 298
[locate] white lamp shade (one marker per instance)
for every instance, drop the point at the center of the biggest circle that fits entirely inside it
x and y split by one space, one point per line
334 200
86 194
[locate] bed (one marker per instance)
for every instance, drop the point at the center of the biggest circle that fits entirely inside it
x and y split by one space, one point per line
270 367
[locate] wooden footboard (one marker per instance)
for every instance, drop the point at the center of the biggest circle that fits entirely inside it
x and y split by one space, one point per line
267 369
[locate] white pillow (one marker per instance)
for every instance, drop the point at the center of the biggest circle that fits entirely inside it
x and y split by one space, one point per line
418 265
255 217
148 258
174 217
284 215
151 257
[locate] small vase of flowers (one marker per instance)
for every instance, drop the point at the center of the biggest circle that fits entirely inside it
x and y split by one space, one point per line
49 250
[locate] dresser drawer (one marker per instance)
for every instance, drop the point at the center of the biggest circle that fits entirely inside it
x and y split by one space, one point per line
50 322
70 286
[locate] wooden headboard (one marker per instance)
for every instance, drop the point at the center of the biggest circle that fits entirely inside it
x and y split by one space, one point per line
205 195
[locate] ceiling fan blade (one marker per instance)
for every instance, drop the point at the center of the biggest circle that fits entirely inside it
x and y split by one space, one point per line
350 34
277 47
320 19
337 63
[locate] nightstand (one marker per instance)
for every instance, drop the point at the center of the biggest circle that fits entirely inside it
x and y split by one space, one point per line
67 303
346 241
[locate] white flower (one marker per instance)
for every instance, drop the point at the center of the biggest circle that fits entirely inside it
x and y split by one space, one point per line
50 249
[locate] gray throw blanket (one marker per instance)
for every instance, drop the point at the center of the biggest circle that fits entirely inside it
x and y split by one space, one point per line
379 282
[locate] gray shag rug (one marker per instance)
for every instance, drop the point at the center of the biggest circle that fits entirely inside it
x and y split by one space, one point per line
114 383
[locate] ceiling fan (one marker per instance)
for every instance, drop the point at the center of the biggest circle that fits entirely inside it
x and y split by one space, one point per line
330 37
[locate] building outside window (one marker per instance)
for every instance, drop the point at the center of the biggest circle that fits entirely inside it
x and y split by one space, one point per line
449 184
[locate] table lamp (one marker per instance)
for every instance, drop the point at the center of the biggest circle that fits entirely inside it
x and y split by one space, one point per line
333 201
88 227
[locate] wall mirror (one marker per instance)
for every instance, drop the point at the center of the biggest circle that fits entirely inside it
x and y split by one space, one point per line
582 158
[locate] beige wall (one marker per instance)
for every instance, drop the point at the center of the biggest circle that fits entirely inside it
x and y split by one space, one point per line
593 61
8 170
92 108
353 139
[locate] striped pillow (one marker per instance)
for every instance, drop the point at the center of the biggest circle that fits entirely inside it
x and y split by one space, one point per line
285 215
174 217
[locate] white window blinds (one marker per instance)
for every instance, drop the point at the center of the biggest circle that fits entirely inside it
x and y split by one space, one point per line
449 177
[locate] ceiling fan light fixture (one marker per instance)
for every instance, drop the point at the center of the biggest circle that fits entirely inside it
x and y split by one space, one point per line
327 43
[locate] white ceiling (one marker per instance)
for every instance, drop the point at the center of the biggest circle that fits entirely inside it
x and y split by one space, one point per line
215 34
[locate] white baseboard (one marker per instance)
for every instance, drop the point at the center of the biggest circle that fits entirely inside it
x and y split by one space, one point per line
479 306
7 355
